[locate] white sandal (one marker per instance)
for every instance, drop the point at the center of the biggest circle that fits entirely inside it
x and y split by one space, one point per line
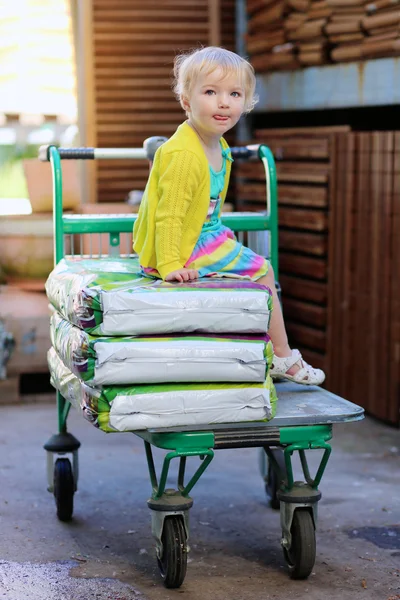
306 375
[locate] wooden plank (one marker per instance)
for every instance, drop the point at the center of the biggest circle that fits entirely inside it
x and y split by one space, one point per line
298 147
303 312
291 195
316 359
111 37
305 266
394 369
154 27
347 225
118 47
333 249
307 243
385 272
214 20
305 337
303 289
374 360
104 94
150 4
131 118
307 172
132 106
301 131
108 83
362 314
135 14
302 172
312 220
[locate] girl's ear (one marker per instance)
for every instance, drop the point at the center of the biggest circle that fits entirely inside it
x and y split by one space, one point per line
185 103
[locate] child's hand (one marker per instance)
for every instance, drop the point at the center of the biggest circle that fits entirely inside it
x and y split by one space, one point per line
182 275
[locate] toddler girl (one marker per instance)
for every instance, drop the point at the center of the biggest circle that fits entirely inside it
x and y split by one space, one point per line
178 234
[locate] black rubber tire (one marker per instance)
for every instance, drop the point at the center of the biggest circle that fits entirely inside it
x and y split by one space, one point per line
173 562
64 489
301 556
272 481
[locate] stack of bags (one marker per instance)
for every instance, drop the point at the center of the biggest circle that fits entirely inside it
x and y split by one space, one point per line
134 353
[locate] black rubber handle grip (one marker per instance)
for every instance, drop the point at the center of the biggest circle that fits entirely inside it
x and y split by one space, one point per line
244 152
67 153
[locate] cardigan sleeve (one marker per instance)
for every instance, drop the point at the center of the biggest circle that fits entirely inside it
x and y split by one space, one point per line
179 179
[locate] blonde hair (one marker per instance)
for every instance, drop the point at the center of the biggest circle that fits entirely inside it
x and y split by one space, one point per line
187 68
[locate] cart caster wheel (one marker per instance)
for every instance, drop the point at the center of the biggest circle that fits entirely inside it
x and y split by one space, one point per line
64 488
173 562
272 481
300 557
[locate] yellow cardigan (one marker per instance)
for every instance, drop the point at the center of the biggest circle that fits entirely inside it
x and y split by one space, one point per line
175 202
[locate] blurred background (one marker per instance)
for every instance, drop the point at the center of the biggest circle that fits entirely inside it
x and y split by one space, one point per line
98 73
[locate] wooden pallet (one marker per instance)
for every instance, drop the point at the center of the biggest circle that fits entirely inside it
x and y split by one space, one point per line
339 226
10 392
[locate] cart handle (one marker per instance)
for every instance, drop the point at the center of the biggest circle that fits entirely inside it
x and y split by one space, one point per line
150 145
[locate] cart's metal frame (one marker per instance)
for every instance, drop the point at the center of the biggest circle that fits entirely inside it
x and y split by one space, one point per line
313 432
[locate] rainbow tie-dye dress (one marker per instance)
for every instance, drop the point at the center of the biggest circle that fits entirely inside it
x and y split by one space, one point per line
217 252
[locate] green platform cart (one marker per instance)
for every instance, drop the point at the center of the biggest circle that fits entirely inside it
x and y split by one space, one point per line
303 423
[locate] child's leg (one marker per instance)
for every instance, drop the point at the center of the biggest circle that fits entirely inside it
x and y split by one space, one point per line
277 329
298 369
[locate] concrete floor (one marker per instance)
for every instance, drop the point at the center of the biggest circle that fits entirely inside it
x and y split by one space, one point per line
107 551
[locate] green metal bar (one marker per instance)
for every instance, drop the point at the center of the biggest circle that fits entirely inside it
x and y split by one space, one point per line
74 224
304 466
57 204
305 433
199 472
300 447
164 474
275 465
189 443
181 474
287 453
324 462
63 408
268 161
246 221
152 470
157 493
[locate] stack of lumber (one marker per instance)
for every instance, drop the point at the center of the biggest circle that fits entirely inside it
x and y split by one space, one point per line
339 223
369 30
304 27
266 40
286 34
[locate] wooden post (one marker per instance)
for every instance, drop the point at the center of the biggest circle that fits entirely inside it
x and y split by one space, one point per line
214 19
81 14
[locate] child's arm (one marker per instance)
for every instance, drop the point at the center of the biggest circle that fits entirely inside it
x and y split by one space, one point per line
179 179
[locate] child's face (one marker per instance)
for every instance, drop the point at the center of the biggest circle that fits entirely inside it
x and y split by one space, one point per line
216 103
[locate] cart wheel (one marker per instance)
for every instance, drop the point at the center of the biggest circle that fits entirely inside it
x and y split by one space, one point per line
272 481
173 562
64 488
301 556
